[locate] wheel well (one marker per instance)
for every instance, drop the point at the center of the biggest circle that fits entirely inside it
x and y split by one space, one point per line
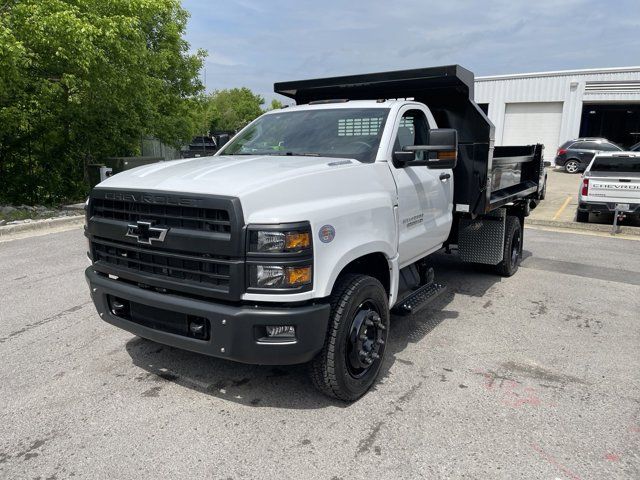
374 264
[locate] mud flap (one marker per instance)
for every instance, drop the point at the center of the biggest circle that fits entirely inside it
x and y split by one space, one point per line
481 240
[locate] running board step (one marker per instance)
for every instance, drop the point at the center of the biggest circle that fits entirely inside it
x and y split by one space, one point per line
419 299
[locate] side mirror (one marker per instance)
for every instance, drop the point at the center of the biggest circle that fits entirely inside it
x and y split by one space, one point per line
440 153
403 157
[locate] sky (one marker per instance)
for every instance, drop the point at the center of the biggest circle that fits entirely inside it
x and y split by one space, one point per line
254 43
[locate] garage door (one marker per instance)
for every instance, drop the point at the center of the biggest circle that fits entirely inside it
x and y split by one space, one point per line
528 123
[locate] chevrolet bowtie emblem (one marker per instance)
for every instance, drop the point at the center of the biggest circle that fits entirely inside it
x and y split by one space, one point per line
145 233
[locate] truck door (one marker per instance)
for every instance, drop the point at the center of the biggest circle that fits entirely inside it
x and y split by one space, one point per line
425 197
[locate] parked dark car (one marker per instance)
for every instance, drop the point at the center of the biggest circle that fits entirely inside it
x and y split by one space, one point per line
575 155
635 148
202 146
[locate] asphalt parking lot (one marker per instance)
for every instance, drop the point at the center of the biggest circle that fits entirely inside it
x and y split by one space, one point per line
531 377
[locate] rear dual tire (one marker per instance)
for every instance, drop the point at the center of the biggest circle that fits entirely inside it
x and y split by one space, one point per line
512 254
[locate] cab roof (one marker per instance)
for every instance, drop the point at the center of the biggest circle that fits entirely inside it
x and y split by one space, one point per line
340 103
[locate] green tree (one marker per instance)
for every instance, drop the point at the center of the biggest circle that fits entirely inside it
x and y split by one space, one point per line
230 110
81 80
276 104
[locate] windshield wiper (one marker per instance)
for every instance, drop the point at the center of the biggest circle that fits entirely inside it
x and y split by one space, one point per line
272 153
306 154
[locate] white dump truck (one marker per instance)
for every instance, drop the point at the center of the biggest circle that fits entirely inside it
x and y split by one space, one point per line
300 237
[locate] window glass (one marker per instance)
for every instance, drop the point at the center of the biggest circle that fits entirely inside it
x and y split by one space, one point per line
413 130
585 146
609 147
616 164
340 132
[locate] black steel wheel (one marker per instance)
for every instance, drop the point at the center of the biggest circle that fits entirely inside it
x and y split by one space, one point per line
365 340
356 339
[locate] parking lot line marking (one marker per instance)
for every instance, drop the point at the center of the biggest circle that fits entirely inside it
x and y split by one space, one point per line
561 209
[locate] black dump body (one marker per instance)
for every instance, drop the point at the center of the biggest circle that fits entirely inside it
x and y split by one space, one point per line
486 177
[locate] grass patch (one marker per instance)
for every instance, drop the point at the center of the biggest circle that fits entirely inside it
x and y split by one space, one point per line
24 214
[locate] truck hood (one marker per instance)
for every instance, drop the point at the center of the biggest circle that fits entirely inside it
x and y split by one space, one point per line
270 187
222 175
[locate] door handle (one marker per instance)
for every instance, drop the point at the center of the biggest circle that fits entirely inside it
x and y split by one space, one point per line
445 176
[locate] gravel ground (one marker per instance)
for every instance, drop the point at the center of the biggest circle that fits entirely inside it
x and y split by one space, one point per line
531 377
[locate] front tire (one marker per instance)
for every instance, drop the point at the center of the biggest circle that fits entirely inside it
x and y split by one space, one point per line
512 248
572 166
353 351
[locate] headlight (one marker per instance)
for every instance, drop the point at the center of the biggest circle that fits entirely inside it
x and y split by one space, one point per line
279 276
281 240
280 257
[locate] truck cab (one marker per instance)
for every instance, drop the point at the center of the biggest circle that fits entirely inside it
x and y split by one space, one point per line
296 241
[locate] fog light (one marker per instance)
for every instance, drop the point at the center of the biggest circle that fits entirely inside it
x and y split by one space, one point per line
119 307
197 329
281 331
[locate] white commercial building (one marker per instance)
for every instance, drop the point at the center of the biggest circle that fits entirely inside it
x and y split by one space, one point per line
553 107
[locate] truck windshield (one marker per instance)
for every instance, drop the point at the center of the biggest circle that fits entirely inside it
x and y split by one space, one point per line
616 164
340 132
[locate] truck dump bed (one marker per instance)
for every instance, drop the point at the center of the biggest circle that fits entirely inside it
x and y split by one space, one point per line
486 177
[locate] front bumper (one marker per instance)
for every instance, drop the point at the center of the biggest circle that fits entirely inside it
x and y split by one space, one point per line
603 207
234 331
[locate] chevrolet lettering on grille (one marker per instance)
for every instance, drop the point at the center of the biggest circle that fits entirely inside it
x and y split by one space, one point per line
143 232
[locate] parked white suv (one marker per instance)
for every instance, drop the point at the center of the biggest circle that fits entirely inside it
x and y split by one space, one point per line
610 183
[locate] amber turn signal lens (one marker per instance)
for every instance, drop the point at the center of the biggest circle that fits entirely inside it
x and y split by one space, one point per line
447 155
297 241
298 276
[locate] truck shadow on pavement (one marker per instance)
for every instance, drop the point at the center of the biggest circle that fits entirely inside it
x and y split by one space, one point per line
290 386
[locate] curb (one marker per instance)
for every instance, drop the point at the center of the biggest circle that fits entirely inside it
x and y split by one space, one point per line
48 223
590 227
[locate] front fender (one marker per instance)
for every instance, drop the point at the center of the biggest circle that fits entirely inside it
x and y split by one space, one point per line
358 252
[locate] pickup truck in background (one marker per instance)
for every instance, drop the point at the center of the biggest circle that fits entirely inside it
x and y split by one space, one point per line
610 184
300 237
